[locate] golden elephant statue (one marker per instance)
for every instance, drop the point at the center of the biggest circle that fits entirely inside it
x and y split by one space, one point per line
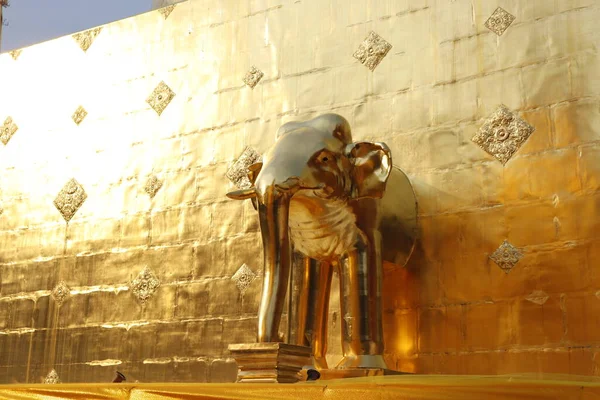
319 200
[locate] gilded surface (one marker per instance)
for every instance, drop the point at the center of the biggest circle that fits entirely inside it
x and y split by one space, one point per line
7 130
70 198
160 98
372 51
503 133
451 310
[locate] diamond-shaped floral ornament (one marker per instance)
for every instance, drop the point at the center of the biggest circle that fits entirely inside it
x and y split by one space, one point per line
7 130
153 185
243 278
372 50
145 284
238 173
52 378
85 39
538 297
502 134
15 54
160 97
70 199
253 76
79 115
506 256
61 293
166 11
499 21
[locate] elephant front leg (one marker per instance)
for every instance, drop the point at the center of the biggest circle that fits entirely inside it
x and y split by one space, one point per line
309 311
277 258
360 291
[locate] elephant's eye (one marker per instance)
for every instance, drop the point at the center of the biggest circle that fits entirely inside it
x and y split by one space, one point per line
325 159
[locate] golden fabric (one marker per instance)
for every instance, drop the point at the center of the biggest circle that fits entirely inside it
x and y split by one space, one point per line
420 387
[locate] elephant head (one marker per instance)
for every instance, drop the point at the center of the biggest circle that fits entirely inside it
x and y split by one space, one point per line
314 160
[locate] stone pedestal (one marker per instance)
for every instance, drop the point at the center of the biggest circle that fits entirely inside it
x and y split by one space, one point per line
328 374
270 362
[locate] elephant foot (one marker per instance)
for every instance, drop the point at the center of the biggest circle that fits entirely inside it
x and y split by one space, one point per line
319 363
362 361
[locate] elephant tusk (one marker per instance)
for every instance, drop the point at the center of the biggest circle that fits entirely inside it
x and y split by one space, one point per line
242 194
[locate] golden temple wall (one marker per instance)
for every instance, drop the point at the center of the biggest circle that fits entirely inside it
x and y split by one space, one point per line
452 310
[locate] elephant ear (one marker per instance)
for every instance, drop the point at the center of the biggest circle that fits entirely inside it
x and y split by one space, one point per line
372 165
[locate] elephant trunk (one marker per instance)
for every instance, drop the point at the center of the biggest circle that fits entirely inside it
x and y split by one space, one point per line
273 213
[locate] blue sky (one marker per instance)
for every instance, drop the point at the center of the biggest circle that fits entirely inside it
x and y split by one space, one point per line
34 21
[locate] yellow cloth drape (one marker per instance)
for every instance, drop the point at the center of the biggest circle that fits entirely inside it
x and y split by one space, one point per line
409 387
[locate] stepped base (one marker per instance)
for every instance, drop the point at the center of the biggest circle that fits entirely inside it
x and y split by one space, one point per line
269 362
